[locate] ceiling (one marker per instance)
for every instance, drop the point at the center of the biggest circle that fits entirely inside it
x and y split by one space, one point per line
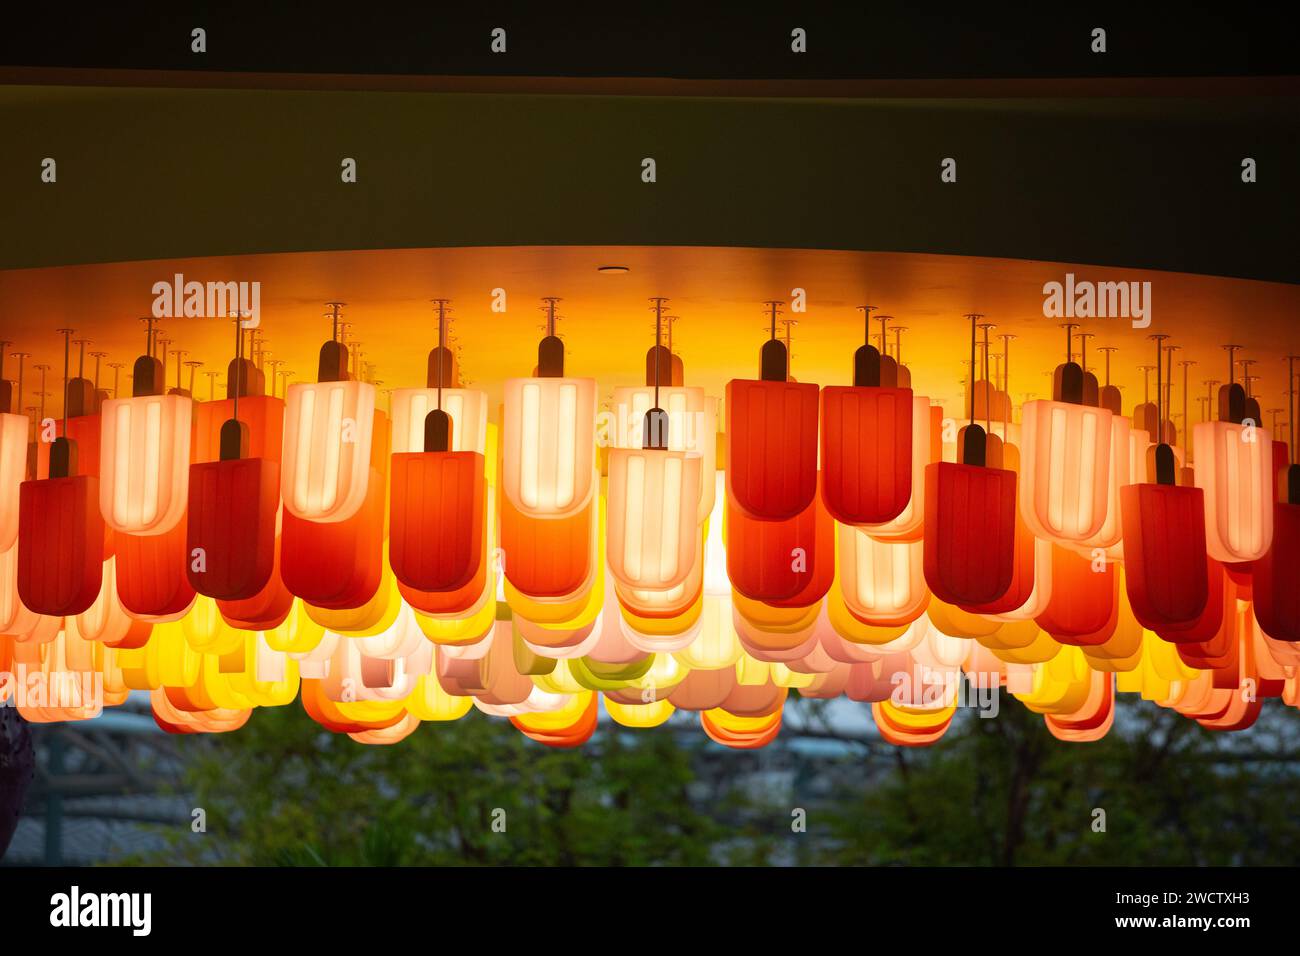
607 323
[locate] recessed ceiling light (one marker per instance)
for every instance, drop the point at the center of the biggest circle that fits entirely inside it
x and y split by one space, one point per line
612 270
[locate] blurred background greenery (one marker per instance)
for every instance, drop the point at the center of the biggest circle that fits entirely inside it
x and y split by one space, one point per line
995 792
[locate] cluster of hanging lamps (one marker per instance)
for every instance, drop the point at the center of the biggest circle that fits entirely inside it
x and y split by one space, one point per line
387 569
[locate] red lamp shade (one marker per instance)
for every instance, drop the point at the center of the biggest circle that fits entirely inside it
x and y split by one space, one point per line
336 564
60 545
232 506
1164 554
151 578
970 532
265 610
547 557
1220 593
1277 577
1023 578
771 447
1084 607
820 573
866 435
438 519
773 561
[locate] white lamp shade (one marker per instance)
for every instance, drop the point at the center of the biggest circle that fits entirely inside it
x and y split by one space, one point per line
549 444
1234 467
325 468
144 462
468 409
1065 473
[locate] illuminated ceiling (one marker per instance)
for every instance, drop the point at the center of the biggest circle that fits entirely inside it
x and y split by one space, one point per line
607 325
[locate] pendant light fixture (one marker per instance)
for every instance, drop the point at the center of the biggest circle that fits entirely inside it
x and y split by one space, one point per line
866 438
1164 541
60 531
970 517
654 494
548 434
1234 469
1276 584
328 429
772 437
13 454
233 504
145 452
1067 444
439 508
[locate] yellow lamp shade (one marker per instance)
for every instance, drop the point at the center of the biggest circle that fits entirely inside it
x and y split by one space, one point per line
1065 479
1234 468
692 427
144 462
548 437
883 582
325 465
468 409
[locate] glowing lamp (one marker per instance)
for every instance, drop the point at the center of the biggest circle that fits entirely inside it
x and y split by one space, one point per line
771 561
1083 609
1276 586
652 539
468 409
336 564
151 576
1164 548
926 431
1065 481
866 444
771 447
144 455
60 544
438 518
692 427
1234 469
883 582
548 439
232 509
13 469
325 466
970 527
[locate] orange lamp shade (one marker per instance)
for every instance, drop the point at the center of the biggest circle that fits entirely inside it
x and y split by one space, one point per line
60 545
1277 577
1164 553
866 452
336 564
970 532
692 427
1065 481
548 442
144 460
263 414
13 469
468 409
771 447
151 576
652 540
1234 468
325 466
439 518
883 582
1083 609
547 557
231 537
771 561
